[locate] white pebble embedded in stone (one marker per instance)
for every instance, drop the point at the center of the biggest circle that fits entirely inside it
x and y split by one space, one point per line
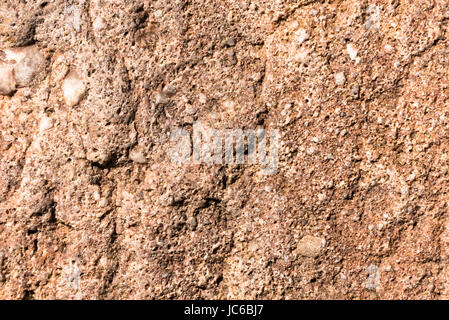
7 80
158 14
310 151
373 17
372 281
340 78
169 90
301 35
73 89
161 99
98 24
18 67
45 124
73 18
103 202
26 62
137 156
202 98
352 51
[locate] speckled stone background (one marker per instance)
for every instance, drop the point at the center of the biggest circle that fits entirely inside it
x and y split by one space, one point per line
91 207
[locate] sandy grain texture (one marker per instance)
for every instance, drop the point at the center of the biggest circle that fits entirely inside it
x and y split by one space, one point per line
91 207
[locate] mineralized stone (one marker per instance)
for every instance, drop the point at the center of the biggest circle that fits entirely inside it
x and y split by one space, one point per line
7 79
73 89
340 78
18 66
26 61
137 156
310 246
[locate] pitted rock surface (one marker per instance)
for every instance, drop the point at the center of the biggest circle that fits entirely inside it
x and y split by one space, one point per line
91 207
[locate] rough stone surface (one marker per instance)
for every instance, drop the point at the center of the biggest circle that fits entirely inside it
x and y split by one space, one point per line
91 207
310 246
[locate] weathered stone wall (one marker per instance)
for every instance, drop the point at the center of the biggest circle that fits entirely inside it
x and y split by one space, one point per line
91 206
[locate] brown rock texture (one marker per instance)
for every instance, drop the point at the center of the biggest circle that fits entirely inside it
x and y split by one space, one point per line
92 207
